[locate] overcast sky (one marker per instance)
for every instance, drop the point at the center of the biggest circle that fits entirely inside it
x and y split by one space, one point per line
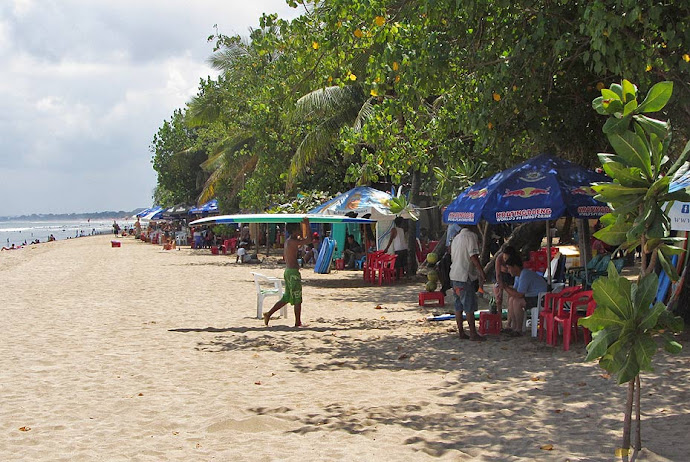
85 85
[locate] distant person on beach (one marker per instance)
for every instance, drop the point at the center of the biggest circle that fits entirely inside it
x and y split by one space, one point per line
352 252
467 276
293 279
523 295
503 277
9 248
399 242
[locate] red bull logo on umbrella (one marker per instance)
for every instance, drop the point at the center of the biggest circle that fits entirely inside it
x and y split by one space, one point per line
526 192
584 190
477 194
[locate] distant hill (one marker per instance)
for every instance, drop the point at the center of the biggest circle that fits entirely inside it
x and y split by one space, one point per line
73 216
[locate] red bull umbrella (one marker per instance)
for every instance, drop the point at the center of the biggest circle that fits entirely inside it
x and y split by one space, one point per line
543 188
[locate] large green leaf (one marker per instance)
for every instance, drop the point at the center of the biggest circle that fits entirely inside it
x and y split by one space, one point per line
613 191
657 127
633 150
602 318
657 97
660 187
614 234
644 347
670 344
668 321
614 295
629 369
669 269
646 291
598 105
627 176
601 341
629 91
651 316
617 125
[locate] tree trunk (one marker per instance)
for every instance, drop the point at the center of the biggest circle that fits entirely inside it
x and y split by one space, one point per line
683 305
638 429
566 235
584 241
411 235
525 236
625 447
485 230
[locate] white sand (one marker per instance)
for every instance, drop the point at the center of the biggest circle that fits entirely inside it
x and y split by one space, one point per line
135 353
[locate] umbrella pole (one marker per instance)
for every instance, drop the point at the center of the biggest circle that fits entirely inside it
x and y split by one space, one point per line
548 255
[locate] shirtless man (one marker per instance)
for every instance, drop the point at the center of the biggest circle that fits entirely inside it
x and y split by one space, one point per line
293 280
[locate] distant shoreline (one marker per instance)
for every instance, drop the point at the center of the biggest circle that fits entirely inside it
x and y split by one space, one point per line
109 214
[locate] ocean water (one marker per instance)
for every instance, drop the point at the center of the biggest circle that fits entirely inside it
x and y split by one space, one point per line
17 232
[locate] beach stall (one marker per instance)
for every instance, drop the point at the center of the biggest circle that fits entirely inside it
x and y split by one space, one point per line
362 202
544 187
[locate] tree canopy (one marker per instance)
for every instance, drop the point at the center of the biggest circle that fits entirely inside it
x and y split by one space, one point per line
364 91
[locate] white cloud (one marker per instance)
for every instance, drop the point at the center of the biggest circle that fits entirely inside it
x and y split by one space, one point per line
85 86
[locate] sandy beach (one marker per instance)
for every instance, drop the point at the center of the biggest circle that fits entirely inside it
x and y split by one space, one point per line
135 353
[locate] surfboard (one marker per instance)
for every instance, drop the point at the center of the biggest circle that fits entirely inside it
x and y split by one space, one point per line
320 256
277 218
665 282
323 260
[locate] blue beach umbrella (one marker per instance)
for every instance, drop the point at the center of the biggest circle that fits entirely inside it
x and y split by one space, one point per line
542 188
209 207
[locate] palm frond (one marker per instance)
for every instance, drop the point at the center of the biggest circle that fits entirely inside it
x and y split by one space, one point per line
312 148
363 114
201 112
226 59
328 100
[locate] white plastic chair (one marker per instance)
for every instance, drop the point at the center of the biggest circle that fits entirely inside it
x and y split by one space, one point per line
267 286
533 320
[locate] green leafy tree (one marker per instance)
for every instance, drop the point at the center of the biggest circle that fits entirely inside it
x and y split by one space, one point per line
177 159
627 323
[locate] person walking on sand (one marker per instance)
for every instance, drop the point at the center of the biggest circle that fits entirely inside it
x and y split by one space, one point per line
467 276
293 280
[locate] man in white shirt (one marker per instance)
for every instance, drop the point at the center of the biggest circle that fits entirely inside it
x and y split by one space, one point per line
468 276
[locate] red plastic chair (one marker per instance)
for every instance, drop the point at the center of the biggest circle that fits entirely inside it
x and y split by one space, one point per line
370 264
546 315
567 316
387 268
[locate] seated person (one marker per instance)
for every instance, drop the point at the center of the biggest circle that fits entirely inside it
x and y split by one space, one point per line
309 255
352 252
523 295
243 256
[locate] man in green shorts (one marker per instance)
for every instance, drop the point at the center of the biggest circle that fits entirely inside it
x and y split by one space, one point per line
293 280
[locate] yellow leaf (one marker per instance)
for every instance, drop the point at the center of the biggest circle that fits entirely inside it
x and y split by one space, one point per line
373 92
315 45
600 85
397 78
546 447
358 33
514 87
648 68
353 77
396 66
497 97
379 21
686 58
